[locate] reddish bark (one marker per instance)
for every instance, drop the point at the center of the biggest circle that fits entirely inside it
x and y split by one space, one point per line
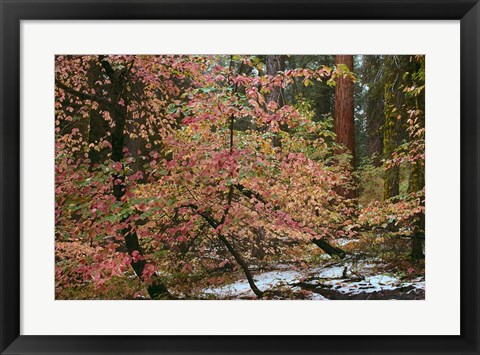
344 125
344 119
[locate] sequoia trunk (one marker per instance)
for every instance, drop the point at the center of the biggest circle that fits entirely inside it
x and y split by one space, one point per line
344 124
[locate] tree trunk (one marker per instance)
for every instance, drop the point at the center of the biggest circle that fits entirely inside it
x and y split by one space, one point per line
275 64
417 248
418 177
257 250
344 119
214 224
416 183
344 123
375 120
242 264
119 116
373 76
392 174
98 126
97 132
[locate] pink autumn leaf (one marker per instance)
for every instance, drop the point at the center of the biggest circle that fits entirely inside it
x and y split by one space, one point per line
136 256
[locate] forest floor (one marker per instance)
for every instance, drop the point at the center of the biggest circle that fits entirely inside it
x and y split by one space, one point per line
353 278
334 281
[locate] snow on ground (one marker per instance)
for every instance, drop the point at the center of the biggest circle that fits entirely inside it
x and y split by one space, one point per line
418 283
346 278
336 271
263 281
368 285
334 277
333 272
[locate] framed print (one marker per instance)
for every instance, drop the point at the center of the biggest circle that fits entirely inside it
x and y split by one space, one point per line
239 177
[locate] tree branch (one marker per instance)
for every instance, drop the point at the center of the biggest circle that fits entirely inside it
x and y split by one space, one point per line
79 94
248 193
214 224
107 67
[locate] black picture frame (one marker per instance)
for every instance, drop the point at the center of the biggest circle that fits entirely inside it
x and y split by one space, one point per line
13 11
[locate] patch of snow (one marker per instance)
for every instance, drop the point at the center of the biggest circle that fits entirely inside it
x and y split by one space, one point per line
418 283
365 265
336 271
332 272
344 241
263 281
324 256
370 284
274 278
239 288
330 276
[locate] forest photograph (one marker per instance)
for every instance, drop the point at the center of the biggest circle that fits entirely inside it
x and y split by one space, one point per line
240 177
